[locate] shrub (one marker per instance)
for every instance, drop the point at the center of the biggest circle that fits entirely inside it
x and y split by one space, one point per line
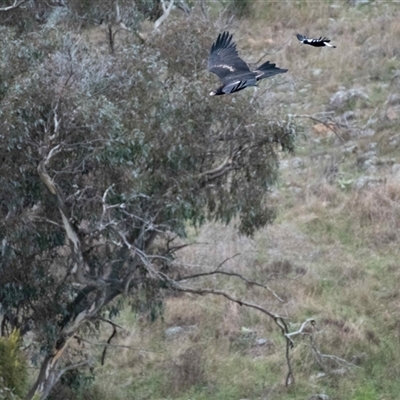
13 370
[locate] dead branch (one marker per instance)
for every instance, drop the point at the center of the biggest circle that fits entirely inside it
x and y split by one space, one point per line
280 321
111 33
72 367
14 6
231 274
166 12
300 331
319 357
222 169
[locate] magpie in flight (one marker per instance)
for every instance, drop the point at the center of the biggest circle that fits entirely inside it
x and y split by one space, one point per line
321 42
232 70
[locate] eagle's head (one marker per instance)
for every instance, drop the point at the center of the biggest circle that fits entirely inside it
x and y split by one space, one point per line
213 93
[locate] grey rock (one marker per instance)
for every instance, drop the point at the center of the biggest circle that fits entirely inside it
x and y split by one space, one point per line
394 141
367 132
366 182
297 162
283 164
368 162
320 396
395 169
369 154
174 331
261 341
385 162
342 97
350 149
394 99
373 146
349 116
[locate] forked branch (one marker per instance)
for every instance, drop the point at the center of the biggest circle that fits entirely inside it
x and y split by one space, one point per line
234 274
166 11
15 5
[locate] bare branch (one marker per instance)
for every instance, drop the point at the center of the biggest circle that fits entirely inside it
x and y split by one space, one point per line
165 15
118 13
216 271
14 6
72 367
218 171
300 331
49 221
277 318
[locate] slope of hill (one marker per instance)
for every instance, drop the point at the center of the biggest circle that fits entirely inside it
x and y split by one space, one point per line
332 254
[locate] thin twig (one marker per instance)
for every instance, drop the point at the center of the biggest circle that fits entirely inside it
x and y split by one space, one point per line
115 345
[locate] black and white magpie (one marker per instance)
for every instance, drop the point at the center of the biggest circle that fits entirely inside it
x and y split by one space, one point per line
321 42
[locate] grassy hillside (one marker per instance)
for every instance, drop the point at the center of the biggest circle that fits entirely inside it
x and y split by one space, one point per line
332 253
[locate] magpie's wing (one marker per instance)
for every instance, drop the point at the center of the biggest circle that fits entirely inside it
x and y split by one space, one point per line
320 40
224 60
301 37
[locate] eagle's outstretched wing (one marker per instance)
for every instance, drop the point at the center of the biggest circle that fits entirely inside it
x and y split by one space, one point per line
267 70
224 60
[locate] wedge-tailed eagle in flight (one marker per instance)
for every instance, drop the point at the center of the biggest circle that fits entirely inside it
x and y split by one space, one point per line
232 70
321 42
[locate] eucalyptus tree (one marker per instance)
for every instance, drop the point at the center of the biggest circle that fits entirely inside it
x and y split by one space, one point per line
105 159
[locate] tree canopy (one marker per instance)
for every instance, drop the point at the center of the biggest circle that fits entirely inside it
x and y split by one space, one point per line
105 160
